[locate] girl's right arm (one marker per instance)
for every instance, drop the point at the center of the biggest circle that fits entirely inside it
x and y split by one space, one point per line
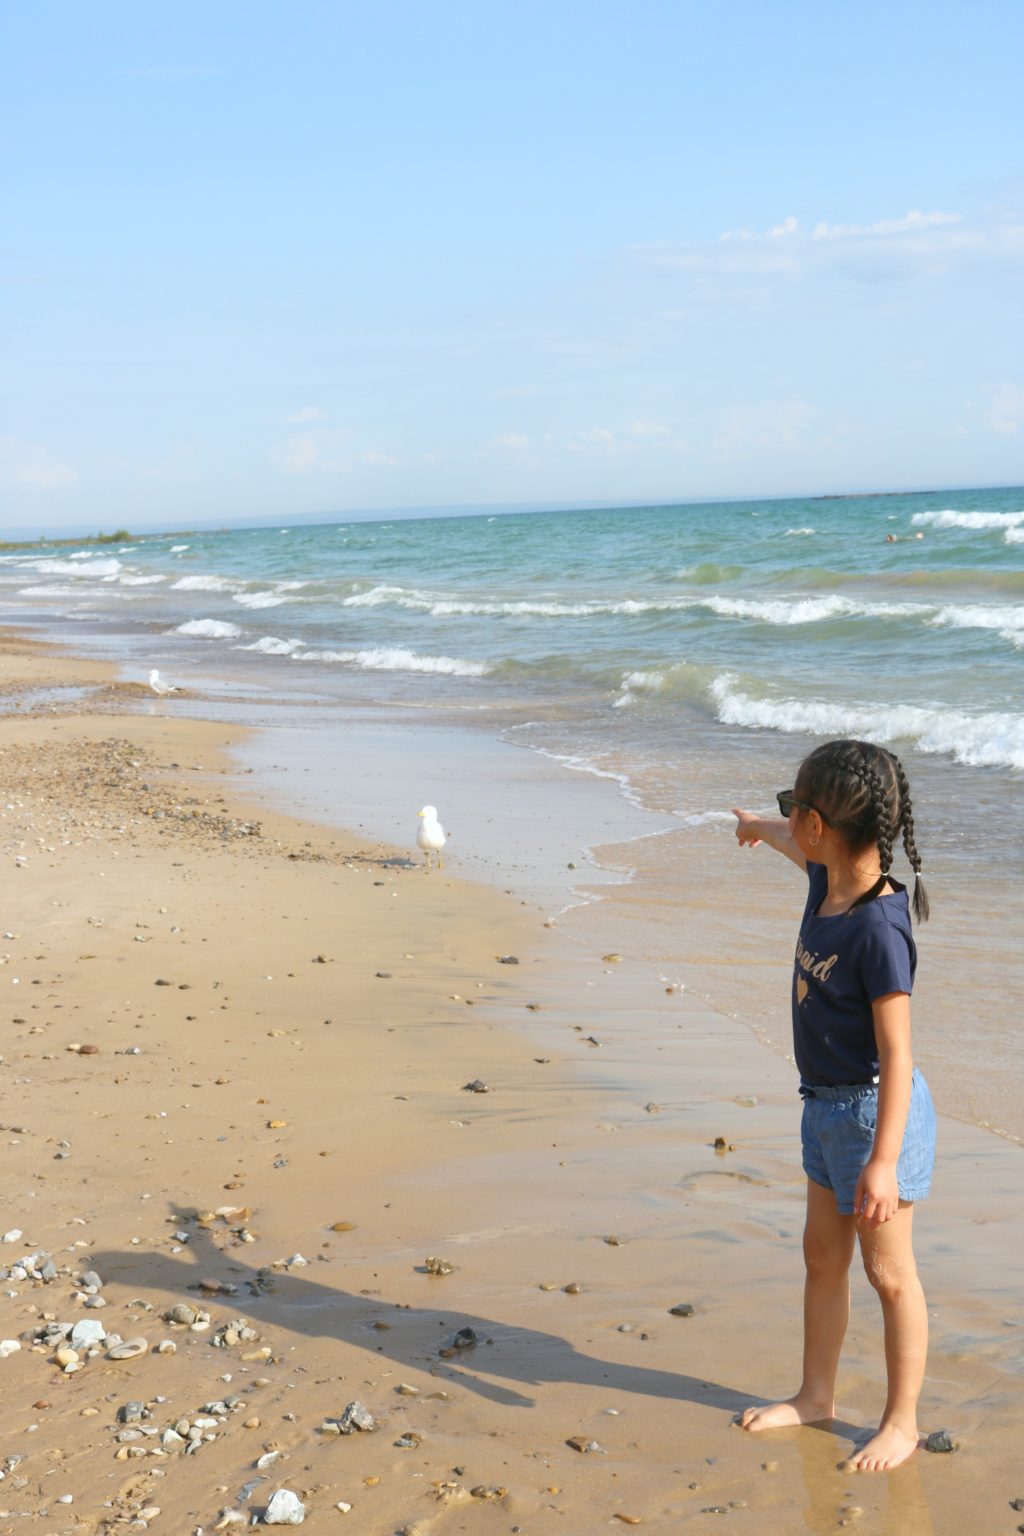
752 830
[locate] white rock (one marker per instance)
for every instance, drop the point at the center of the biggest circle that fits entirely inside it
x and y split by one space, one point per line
285 1508
13 1236
88 1331
8 1347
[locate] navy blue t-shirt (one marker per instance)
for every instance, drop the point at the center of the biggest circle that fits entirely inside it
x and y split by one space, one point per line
842 965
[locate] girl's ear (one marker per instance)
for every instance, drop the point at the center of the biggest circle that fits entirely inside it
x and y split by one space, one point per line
815 824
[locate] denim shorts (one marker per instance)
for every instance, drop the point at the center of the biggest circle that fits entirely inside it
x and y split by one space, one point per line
838 1133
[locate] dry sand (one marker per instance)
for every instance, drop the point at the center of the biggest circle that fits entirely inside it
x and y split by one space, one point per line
280 1023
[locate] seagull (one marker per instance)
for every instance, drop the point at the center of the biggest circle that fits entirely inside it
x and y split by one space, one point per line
430 835
158 685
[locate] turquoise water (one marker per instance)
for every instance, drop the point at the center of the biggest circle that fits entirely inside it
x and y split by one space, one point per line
782 615
689 654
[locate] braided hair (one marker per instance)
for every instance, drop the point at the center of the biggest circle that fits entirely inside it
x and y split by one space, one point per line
863 792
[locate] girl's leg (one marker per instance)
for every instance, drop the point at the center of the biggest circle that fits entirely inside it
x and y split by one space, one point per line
889 1261
828 1249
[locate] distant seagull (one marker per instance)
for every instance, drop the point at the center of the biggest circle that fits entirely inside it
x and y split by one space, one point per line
430 835
158 685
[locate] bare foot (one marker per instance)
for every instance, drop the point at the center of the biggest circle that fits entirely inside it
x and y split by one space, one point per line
796 1410
889 1448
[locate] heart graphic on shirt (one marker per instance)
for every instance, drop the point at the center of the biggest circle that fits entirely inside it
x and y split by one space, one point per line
801 989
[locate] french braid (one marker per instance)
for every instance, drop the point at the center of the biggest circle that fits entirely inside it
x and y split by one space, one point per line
863 791
921 903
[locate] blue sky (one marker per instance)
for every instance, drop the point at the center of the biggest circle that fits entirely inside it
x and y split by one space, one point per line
281 259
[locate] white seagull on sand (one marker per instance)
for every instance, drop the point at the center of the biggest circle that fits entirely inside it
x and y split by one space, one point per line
430 835
158 685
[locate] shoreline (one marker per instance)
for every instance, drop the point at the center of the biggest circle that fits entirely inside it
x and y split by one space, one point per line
119 905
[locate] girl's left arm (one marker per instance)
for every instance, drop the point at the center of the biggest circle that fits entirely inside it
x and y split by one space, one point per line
877 1197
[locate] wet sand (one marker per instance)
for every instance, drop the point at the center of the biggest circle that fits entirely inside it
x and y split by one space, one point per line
284 1019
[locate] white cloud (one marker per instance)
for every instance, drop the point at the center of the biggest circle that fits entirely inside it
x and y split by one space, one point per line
648 431
763 428
300 453
30 464
327 451
1006 413
881 250
506 442
910 223
305 413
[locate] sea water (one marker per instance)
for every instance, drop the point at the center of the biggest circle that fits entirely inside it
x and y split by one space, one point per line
688 656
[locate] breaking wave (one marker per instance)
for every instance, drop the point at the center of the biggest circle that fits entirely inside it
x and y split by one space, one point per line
972 521
209 629
396 659
989 740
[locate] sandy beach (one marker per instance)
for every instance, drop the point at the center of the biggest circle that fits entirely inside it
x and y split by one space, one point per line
235 1067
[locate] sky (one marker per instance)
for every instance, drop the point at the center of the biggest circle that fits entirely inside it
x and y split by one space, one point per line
288 259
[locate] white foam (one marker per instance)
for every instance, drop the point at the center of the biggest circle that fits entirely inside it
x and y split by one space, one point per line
970 520
178 549
396 659
703 818
1014 536
441 606
136 581
73 566
50 589
270 645
203 584
209 629
990 740
798 533
808 610
259 599
638 682
981 616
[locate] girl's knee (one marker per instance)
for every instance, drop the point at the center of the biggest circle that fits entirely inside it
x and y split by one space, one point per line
890 1275
826 1261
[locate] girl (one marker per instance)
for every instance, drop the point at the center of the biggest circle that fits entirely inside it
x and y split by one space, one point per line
868 1128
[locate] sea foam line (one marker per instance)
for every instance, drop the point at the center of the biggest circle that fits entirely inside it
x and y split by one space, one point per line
990 740
972 521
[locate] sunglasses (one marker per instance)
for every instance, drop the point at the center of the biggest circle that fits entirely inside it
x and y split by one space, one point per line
790 801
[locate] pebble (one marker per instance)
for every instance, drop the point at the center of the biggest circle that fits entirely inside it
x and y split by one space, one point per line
405 1390
612 959
476 1086
582 1444
356 1417
285 1508
682 1309
343 1226
438 1267
182 1313
573 1288
8 1347
129 1349
88 1331
941 1440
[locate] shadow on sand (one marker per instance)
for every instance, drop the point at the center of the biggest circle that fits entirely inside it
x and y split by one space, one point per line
405 1334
